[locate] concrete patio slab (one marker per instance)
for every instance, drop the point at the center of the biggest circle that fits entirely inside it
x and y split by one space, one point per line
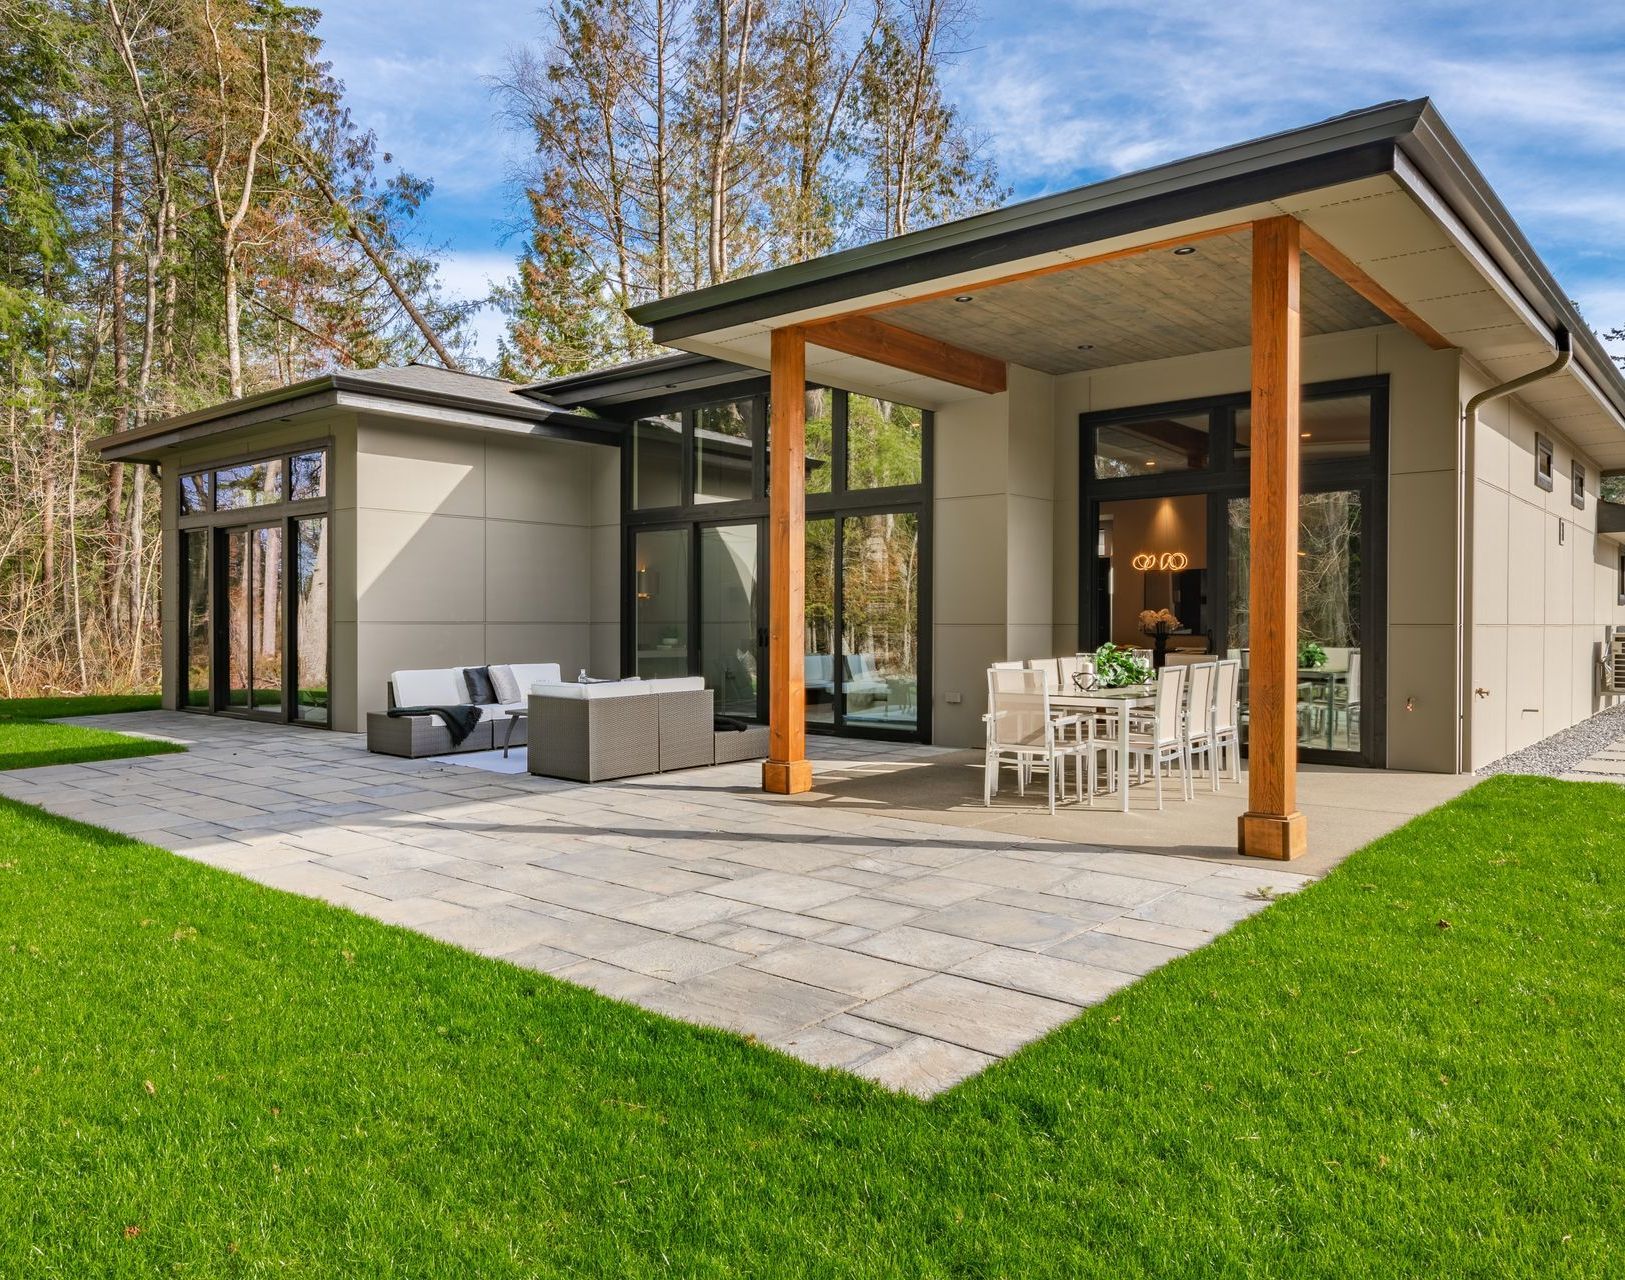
883 924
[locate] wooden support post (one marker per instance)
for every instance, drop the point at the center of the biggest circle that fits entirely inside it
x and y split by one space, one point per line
786 770
1272 827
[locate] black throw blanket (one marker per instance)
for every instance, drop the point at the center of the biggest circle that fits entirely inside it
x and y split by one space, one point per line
460 721
727 724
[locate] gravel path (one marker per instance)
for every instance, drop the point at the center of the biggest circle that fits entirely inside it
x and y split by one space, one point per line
1562 752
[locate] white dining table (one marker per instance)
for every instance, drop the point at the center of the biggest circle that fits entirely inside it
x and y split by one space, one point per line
1122 701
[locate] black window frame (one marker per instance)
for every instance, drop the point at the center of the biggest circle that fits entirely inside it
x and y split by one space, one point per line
841 500
1577 482
1544 462
215 523
1229 476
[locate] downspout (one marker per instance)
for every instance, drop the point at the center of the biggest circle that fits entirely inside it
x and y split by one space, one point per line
1466 485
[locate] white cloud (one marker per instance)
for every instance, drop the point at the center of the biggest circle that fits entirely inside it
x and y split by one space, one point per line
468 274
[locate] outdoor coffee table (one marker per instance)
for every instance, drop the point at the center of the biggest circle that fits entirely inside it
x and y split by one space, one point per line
514 717
1122 701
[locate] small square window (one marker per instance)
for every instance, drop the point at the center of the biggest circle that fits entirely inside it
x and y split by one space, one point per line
1543 463
1578 495
194 493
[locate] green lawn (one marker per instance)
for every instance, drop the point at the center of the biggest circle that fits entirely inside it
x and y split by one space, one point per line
1410 1069
28 739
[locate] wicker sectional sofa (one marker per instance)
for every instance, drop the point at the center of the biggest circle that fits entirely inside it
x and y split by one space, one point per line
595 732
416 736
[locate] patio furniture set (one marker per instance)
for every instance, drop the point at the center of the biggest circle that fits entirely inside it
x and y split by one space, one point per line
1046 713
586 730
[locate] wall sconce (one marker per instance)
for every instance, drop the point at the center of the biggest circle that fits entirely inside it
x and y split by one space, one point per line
646 583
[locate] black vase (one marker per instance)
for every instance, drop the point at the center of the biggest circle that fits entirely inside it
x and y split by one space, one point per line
1159 650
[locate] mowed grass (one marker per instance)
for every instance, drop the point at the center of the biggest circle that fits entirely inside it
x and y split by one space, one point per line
28 739
1410 1069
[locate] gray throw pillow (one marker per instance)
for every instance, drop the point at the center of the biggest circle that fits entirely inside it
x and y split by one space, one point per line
507 688
480 692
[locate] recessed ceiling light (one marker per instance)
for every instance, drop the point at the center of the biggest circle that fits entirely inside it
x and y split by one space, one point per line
1304 435
962 297
1150 462
1086 346
1185 250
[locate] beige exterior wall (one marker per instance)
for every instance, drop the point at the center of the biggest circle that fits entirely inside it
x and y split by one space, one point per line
450 547
1544 585
1007 499
474 547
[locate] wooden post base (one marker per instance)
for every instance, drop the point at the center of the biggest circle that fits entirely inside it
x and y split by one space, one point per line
1273 835
786 777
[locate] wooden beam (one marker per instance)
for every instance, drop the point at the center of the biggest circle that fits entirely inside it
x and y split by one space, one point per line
1272 827
897 348
786 770
1346 270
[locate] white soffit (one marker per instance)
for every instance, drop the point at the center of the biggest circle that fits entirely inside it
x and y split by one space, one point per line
1403 236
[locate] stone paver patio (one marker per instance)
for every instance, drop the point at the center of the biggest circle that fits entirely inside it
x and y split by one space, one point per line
913 953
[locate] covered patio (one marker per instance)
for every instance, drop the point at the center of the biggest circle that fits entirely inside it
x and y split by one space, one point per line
1261 284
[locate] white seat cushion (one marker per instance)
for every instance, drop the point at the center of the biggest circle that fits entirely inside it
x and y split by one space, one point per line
580 692
437 687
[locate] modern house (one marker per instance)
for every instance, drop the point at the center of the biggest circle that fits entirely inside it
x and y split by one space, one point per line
1316 386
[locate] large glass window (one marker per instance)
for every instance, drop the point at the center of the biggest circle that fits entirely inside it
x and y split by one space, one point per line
1328 427
198 659
1153 445
1152 560
880 618
728 615
1330 577
236 602
309 591
657 463
819 610
252 484
883 443
724 451
660 602
266 628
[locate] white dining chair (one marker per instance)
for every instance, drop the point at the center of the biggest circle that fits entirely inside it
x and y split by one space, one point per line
1202 681
1023 731
1227 718
1164 742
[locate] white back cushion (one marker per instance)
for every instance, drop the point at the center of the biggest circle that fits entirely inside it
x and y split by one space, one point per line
676 684
439 687
526 674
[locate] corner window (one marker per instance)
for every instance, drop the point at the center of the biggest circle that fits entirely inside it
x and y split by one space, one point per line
1543 463
307 476
1578 495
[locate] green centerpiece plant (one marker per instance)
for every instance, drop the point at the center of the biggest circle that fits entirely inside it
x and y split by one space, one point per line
1311 657
1118 668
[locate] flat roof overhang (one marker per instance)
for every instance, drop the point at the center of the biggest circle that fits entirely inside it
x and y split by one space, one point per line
1388 187
153 442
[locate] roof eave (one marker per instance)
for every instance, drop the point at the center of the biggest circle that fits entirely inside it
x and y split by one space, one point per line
1343 149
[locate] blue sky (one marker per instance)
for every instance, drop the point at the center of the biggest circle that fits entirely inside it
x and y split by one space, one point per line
1070 91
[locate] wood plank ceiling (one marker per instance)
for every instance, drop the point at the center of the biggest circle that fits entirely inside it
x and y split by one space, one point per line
1146 307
